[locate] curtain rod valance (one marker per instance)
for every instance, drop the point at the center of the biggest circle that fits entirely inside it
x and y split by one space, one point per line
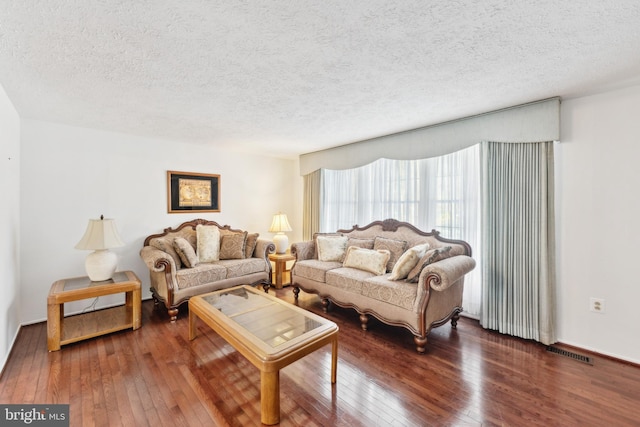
533 122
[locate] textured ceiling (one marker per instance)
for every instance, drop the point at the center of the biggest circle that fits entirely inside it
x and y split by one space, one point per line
286 77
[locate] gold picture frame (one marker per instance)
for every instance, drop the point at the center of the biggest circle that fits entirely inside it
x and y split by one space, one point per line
191 191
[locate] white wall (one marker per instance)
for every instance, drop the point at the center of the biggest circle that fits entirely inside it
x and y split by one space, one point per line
9 225
598 211
71 174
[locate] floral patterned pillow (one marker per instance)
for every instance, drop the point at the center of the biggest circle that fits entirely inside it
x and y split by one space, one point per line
331 248
186 252
408 261
367 260
208 243
165 244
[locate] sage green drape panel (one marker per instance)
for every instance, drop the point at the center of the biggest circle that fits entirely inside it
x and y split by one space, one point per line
311 204
518 239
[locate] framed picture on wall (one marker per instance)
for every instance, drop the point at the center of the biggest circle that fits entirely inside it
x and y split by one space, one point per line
189 192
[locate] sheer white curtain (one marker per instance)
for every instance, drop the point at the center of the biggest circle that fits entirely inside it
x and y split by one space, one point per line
439 193
380 190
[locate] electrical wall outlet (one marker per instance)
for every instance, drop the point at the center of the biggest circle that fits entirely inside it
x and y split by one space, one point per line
596 305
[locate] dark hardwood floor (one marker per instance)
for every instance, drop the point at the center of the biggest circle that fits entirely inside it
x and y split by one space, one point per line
155 376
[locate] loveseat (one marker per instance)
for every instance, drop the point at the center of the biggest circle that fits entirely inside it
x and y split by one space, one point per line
388 269
201 256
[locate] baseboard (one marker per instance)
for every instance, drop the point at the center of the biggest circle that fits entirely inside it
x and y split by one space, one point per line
615 358
574 347
13 344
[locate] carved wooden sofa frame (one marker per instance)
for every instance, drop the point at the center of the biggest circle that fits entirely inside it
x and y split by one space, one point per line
164 268
438 293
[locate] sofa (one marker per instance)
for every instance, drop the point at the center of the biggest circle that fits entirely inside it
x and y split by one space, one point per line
388 269
201 256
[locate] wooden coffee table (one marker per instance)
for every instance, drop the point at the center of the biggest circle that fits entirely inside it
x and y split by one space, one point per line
65 330
269 332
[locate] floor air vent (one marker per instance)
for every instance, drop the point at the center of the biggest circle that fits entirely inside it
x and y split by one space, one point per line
574 356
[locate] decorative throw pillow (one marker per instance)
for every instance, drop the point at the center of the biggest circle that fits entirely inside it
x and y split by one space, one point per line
431 256
395 247
250 246
361 243
407 261
367 259
186 252
165 244
208 241
232 246
192 238
224 231
331 248
358 242
315 240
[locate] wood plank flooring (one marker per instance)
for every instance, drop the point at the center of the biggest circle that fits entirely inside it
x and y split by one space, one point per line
155 376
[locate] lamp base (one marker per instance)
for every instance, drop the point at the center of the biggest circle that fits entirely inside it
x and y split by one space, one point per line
282 243
101 265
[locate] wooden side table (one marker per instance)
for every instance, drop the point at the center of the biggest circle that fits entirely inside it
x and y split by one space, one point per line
61 330
281 267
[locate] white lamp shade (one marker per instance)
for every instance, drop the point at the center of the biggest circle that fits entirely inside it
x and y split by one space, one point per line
101 234
280 223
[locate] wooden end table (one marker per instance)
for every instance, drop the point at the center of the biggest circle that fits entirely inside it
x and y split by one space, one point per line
281 267
61 330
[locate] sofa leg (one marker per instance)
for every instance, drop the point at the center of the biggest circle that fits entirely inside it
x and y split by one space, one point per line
454 321
421 343
364 319
173 314
296 291
325 305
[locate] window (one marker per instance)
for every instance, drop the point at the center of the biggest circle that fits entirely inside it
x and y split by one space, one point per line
439 193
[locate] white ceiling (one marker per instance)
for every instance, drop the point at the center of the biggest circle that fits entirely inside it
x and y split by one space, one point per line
285 77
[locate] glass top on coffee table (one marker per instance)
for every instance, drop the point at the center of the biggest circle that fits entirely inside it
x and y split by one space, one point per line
267 319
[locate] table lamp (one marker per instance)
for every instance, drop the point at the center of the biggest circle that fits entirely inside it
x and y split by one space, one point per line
101 235
279 225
